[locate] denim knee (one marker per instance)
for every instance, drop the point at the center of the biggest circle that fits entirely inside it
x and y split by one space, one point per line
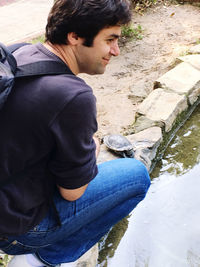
133 172
143 176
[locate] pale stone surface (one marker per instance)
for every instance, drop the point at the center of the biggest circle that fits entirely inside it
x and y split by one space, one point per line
89 259
193 96
163 106
143 123
152 135
193 60
183 79
145 144
195 49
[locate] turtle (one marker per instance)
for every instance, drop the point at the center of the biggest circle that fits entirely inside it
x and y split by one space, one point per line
119 144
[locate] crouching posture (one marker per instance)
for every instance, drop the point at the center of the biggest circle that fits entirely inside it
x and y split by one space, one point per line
64 203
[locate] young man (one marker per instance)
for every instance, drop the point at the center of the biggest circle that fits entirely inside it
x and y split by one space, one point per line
63 204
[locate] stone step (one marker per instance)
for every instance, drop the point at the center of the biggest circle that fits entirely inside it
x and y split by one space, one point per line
184 79
163 106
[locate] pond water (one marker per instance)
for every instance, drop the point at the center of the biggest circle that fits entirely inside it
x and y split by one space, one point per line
164 229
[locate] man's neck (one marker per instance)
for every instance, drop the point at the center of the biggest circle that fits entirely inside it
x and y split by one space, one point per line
65 53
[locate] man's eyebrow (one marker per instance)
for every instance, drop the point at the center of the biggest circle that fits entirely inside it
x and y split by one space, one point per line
116 36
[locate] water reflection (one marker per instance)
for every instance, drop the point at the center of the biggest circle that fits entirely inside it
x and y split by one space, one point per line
110 242
164 230
184 152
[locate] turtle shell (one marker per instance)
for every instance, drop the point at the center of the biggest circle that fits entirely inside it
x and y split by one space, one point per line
117 142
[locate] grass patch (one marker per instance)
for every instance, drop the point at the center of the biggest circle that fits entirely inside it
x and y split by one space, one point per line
38 39
131 33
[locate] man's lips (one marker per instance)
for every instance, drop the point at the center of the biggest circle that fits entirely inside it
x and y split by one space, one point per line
106 60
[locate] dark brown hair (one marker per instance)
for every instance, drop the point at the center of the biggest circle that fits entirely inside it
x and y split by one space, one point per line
85 17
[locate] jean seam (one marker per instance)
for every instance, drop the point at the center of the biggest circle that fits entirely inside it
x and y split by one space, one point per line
35 232
125 187
45 262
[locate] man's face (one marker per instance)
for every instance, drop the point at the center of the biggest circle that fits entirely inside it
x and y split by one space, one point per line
94 59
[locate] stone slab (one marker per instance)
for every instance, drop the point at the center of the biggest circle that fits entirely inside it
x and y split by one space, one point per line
143 123
193 60
145 144
152 135
163 106
183 79
195 49
89 259
194 95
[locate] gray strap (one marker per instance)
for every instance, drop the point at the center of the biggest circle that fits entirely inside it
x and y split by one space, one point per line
42 68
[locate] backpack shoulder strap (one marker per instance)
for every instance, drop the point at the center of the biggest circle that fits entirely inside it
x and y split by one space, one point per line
42 68
12 48
38 68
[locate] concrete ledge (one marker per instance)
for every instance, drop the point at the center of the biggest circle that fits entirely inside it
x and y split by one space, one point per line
163 106
194 50
89 259
193 60
183 79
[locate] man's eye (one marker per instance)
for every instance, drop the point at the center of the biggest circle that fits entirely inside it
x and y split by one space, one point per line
109 40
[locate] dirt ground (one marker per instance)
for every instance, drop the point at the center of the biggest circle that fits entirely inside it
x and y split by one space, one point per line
169 30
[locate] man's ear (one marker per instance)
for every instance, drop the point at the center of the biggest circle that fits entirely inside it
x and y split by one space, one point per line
73 38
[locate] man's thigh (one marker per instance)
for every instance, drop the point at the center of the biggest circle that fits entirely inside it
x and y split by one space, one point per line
116 181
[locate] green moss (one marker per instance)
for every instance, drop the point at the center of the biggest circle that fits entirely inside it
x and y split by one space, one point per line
110 242
168 137
4 259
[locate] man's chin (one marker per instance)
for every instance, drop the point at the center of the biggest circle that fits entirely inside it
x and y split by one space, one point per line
100 71
96 71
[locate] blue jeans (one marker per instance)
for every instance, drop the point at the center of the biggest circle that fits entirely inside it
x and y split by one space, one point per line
119 186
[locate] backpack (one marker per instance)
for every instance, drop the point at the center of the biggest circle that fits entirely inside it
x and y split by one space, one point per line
9 70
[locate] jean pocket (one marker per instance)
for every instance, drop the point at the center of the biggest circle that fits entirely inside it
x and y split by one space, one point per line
47 225
16 248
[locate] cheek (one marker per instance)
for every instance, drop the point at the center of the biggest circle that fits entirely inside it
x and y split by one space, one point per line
105 48
101 50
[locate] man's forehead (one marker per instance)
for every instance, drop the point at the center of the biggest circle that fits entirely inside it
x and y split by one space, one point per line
113 31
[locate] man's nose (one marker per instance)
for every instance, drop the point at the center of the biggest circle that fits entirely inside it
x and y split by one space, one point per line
114 49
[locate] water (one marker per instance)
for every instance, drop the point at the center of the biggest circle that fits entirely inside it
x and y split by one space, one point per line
164 229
